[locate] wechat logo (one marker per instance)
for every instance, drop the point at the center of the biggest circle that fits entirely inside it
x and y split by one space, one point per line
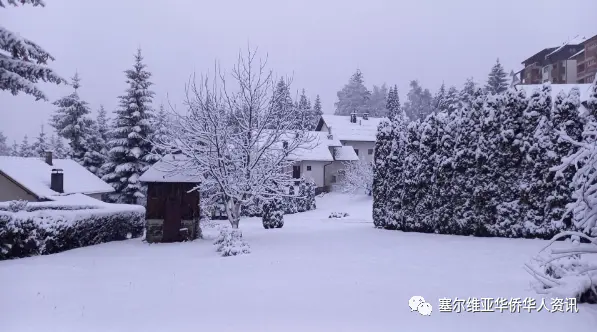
417 303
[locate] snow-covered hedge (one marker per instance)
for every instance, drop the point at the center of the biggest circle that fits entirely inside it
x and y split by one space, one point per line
48 228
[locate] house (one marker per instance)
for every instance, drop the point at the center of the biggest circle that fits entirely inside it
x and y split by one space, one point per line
172 211
585 91
354 131
321 159
47 179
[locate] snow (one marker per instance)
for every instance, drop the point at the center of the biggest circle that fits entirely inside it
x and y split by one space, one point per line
577 54
317 147
34 174
344 130
171 168
585 90
314 274
345 153
574 41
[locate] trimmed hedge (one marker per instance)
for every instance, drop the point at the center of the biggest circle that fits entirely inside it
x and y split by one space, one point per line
56 228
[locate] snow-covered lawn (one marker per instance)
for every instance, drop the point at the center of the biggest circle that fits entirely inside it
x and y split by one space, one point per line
315 274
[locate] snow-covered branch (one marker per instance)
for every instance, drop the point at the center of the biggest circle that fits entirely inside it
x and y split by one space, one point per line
358 177
235 137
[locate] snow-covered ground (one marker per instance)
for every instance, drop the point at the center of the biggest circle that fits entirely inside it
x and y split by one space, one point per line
315 274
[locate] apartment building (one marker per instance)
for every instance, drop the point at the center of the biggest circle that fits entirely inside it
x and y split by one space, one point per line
575 61
586 61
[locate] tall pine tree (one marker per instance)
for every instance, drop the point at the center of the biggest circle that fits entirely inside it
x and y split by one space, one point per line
41 144
354 96
317 109
497 81
130 149
25 148
70 121
393 104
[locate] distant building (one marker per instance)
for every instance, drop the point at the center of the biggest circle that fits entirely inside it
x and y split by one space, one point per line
575 61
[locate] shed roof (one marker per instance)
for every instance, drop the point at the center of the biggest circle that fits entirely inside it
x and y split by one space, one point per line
173 168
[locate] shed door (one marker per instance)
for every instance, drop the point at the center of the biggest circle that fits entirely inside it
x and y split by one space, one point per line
172 221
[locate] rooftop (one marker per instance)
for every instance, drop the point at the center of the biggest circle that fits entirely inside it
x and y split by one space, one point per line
33 174
344 130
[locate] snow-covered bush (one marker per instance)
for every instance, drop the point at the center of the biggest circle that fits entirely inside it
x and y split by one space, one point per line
358 177
338 215
18 205
49 231
230 242
273 214
569 271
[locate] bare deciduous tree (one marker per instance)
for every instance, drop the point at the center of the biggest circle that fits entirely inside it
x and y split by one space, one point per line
234 135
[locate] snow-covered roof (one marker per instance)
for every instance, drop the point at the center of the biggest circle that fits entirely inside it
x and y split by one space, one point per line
317 147
171 168
577 54
574 41
585 89
33 174
345 153
343 129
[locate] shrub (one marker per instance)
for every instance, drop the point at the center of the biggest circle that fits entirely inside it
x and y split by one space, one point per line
273 214
338 215
55 228
230 243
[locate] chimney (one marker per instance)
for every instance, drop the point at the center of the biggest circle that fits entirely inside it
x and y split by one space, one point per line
49 158
57 180
353 117
365 116
330 136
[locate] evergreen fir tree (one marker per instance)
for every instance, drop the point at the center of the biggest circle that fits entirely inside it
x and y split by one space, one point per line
60 151
448 120
41 144
317 110
70 120
381 158
129 146
406 218
439 100
393 104
4 149
567 125
378 101
354 96
103 123
161 126
418 102
24 62
467 92
95 149
282 102
396 168
304 111
498 79
510 157
14 149
273 214
25 149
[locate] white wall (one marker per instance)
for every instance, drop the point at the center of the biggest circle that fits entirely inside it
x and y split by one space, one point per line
316 172
363 148
571 71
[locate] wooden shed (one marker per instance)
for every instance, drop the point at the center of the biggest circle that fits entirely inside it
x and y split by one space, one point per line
172 208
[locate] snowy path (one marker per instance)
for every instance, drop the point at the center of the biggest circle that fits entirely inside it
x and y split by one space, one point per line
315 274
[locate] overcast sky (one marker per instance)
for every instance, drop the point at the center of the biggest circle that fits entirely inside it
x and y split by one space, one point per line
318 42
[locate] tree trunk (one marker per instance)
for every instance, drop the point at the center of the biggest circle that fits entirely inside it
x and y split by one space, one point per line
233 212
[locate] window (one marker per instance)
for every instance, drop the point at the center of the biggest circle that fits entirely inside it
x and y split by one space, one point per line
370 151
296 172
333 179
356 151
308 168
